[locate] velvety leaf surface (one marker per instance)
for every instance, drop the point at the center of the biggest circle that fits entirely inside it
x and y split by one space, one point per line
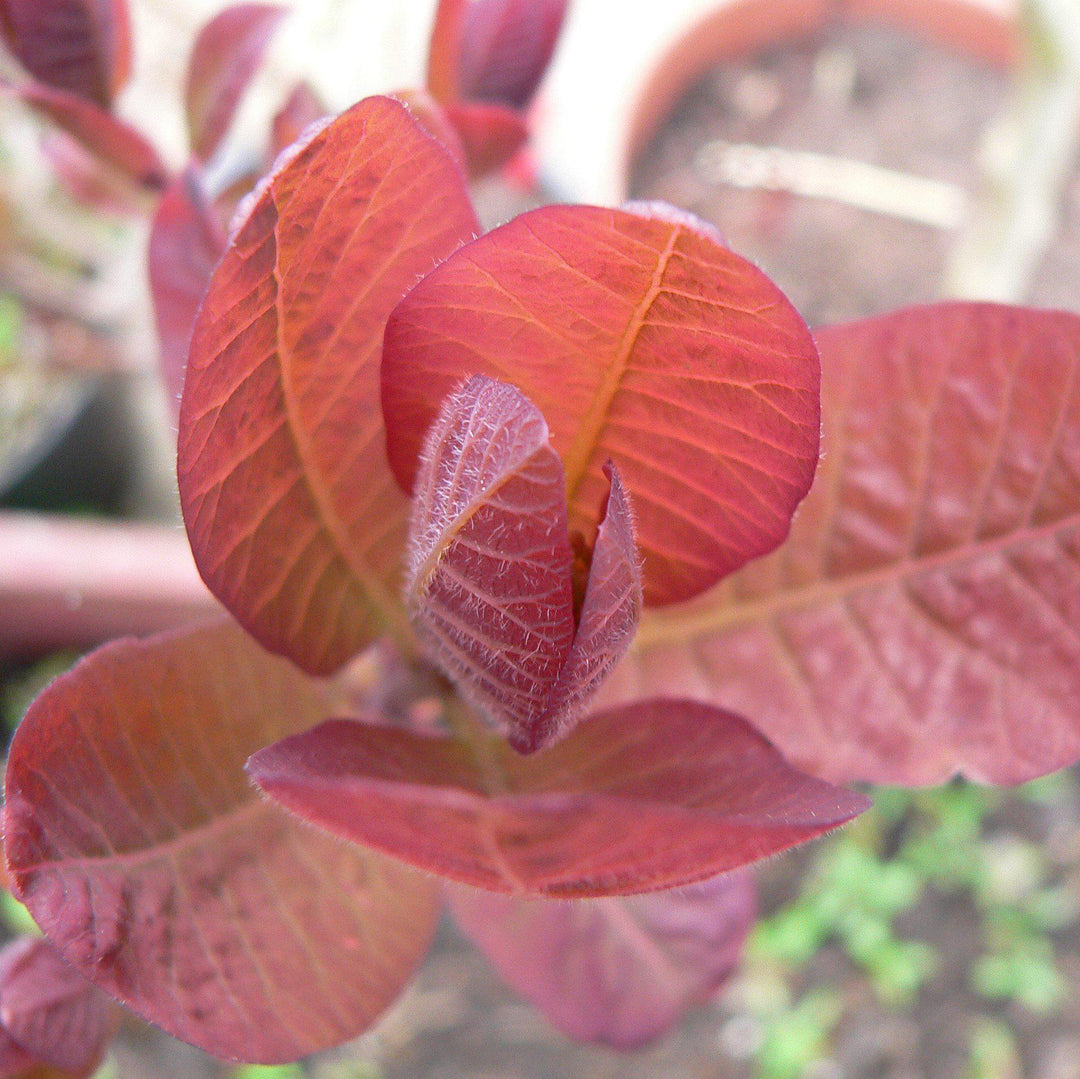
924 617
186 241
489 586
649 796
294 518
226 55
50 1010
643 341
506 46
107 137
138 845
619 970
81 47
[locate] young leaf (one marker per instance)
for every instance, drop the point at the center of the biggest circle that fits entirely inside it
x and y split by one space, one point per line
150 863
643 341
506 46
49 1010
924 617
80 47
490 135
226 55
300 110
444 55
107 137
186 241
620 970
489 586
649 796
294 518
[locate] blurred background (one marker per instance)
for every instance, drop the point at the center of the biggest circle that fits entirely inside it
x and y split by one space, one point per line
866 155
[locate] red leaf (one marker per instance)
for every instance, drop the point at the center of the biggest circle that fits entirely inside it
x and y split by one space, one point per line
650 796
506 46
444 56
301 109
80 47
52 1012
14 1060
490 135
620 970
226 55
489 585
156 870
643 341
294 518
924 617
112 140
186 241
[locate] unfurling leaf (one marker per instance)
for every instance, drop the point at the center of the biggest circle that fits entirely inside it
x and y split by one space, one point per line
490 587
143 853
186 241
226 55
80 47
294 518
620 970
299 111
643 341
923 619
49 1010
653 795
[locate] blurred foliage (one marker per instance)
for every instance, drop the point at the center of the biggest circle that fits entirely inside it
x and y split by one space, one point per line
939 843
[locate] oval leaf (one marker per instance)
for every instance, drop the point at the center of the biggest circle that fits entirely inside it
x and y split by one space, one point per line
112 140
650 796
506 46
81 47
226 55
489 135
645 342
489 582
294 519
299 111
620 970
924 617
186 241
142 852
52 1012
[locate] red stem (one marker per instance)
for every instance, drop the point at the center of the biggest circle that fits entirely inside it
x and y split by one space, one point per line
67 583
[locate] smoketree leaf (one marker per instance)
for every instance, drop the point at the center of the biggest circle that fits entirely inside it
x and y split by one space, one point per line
649 796
489 586
50 1010
490 135
620 970
294 518
186 241
643 341
225 57
110 139
140 849
923 619
81 47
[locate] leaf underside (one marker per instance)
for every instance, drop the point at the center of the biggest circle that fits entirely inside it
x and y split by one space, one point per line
620 970
924 617
294 519
489 587
141 850
643 341
641 798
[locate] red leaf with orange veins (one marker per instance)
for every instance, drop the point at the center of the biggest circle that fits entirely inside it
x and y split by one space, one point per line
648 796
643 341
923 619
294 518
489 586
506 46
112 140
186 241
142 851
50 1010
225 57
80 47
620 970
